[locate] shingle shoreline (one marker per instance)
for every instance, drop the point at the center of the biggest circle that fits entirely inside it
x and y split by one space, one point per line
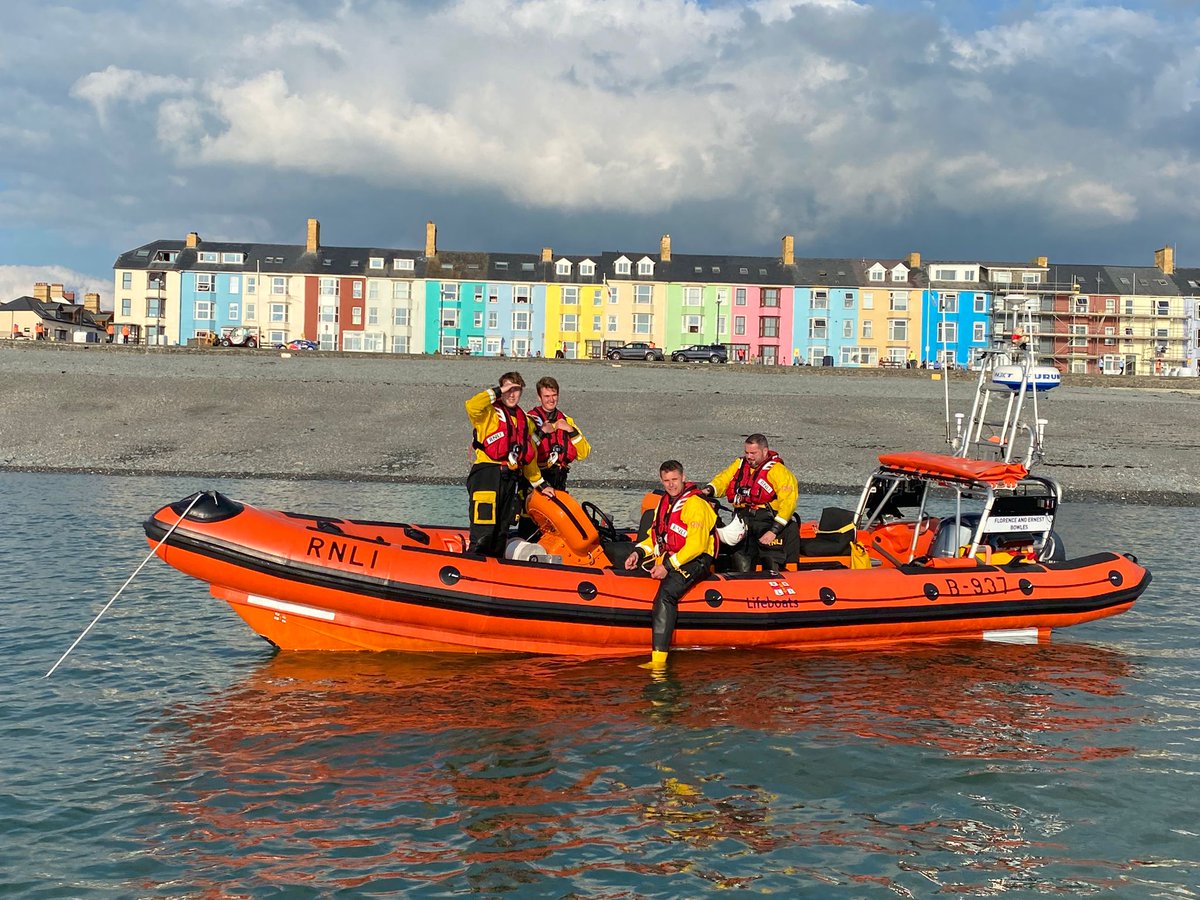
165 411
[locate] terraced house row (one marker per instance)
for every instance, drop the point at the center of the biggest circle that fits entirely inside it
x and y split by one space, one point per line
766 310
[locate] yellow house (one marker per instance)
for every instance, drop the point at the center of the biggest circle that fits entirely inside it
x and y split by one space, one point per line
889 323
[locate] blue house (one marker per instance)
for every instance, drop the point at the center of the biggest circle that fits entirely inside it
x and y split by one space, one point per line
209 303
954 324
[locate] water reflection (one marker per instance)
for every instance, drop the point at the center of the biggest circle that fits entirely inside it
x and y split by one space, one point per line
139 770
336 771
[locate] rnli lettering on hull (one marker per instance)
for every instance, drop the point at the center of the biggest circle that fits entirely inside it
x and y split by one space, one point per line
341 551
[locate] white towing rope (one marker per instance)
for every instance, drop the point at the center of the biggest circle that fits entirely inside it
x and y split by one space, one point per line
149 555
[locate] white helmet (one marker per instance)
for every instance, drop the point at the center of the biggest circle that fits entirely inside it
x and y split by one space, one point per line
732 531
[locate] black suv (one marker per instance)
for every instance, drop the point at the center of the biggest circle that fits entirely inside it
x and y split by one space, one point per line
713 353
636 350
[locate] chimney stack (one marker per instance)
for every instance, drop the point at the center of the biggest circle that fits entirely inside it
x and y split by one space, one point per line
789 250
664 248
41 291
56 292
91 302
914 260
313 242
193 240
547 253
1164 258
430 239
1041 261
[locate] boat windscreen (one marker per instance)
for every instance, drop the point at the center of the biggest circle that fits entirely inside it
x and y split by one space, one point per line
906 496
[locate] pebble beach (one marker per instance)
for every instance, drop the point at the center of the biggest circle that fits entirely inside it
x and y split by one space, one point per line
294 415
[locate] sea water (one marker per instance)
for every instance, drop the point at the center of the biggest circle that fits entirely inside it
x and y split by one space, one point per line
175 754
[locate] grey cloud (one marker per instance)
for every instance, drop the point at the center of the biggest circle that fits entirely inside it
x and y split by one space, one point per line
595 123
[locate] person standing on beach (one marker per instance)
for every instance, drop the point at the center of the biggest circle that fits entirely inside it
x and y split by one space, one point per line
763 493
559 440
680 544
505 456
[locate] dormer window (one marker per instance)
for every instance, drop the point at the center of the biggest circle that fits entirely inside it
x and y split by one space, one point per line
900 273
587 269
233 259
405 265
208 256
375 262
876 272
623 266
562 267
645 266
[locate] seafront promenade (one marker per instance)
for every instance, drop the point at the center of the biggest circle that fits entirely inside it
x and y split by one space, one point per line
131 411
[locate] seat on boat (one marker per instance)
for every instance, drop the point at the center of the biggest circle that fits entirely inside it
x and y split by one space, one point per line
621 549
953 535
836 537
954 538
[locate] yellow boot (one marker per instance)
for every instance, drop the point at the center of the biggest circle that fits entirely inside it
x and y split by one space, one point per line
658 661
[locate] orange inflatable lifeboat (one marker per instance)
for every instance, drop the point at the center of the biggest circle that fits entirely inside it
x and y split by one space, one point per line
308 582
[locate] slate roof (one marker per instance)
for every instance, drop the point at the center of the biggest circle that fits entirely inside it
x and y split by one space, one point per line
288 259
1188 281
1119 280
54 311
1149 281
291 259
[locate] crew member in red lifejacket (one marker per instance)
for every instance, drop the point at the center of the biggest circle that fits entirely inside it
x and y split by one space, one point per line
681 545
764 493
559 440
505 456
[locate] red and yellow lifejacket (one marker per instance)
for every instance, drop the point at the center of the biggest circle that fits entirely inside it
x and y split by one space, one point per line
670 531
510 441
750 486
556 448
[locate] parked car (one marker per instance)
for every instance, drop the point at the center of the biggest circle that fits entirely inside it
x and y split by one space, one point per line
297 344
713 353
240 337
637 350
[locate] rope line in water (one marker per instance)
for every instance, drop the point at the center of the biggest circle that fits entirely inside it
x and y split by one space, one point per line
142 565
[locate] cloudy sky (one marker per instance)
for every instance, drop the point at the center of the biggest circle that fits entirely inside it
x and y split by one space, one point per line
999 130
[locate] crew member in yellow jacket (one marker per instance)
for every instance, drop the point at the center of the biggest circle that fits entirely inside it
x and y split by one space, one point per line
763 492
680 547
505 457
